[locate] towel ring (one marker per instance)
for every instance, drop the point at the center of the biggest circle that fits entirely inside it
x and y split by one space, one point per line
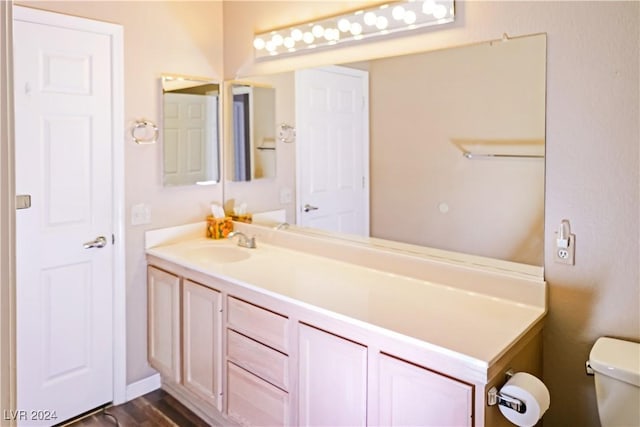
286 133
144 125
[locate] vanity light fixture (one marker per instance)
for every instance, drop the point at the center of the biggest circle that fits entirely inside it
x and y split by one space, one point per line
364 24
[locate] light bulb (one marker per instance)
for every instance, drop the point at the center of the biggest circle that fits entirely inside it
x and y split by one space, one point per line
271 46
296 34
344 25
328 34
259 43
410 17
398 13
382 22
440 12
428 7
289 42
370 18
308 38
317 30
277 40
356 29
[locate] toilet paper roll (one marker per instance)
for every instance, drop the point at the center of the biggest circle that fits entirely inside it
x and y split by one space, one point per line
532 392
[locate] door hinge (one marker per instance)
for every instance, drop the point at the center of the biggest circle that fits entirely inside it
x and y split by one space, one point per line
113 239
23 201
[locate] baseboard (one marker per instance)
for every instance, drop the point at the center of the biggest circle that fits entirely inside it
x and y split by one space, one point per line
144 386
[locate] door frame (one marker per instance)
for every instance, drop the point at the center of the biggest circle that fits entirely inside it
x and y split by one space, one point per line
364 76
115 33
7 215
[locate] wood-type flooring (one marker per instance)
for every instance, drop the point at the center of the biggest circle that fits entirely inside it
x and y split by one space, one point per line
155 409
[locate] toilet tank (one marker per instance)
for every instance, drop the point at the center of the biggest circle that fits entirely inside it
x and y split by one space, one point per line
616 366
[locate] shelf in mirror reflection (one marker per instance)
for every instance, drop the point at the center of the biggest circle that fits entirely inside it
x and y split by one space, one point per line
251 142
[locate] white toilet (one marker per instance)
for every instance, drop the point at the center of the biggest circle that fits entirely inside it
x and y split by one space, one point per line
616 366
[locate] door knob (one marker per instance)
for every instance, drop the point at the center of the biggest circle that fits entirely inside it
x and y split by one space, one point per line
308 208
100 242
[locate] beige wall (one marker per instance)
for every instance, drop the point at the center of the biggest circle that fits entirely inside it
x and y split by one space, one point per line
489 96
159 37
592 164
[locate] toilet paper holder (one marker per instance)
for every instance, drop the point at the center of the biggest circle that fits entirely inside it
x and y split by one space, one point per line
494 397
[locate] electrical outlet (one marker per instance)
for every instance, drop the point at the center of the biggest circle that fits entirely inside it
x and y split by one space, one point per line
566 255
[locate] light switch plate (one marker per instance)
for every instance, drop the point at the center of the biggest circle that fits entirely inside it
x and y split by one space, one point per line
286 196
140 214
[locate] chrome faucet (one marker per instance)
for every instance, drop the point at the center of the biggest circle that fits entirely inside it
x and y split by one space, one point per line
243 240
282 226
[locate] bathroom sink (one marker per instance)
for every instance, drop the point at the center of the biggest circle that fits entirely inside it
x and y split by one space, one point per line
220 255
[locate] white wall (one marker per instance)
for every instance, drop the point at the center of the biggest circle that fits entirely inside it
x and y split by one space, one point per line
592 163
159 37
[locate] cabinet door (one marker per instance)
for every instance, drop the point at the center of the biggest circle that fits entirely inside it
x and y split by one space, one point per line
333 380
252 401
164 322
413 396
202 322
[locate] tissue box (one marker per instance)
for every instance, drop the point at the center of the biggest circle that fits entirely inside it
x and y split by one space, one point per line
248 218
219 228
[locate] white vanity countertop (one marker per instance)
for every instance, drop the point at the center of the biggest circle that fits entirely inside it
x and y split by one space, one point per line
463 324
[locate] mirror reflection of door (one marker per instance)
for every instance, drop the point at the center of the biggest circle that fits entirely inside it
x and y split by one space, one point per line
190 131
253 141
333 149
241 138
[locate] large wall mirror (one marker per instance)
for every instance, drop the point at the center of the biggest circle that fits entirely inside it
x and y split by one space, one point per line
251 140
456 148
191 132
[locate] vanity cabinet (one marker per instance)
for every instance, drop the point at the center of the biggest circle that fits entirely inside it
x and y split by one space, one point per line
333 379
201 335
237 355
257 365
164 323
413 395
253 401
185 335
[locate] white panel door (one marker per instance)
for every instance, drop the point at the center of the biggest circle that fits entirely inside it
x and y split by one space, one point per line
185 138
333 149
63 113
333 380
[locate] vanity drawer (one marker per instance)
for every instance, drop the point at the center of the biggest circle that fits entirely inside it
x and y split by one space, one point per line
265 362
254 402
258 323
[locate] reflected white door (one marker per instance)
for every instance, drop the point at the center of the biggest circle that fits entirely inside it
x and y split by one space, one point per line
63 113
185 138
333 149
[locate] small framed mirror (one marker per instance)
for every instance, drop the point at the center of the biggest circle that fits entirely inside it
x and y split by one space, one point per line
252 140
191 131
